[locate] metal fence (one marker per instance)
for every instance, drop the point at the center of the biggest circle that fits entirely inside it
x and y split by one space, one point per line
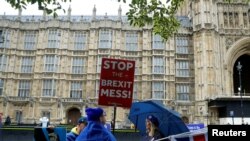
27 134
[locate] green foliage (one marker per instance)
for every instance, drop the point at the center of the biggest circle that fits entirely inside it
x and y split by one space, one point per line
155 12
50 6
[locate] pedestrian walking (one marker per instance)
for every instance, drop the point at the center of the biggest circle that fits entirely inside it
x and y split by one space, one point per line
74 133
44 122
95 130
7 120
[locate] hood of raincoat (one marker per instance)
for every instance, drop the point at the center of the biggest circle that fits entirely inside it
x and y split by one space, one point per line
95 131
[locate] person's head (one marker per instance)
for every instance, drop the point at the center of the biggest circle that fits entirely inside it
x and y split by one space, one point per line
185 119
103 118
151 124
82 123
94 114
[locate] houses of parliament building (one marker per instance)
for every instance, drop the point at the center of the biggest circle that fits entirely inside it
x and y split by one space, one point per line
51 66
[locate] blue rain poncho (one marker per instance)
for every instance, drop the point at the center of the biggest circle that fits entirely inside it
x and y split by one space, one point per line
95 131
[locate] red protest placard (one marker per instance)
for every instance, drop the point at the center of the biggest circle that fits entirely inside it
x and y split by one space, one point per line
116 82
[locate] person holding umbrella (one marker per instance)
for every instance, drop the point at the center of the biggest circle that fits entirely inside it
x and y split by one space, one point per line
169 121
152 129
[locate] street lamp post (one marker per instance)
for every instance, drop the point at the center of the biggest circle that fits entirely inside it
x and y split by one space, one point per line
239 68
1 37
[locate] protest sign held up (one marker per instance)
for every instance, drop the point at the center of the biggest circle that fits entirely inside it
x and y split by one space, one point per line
116 82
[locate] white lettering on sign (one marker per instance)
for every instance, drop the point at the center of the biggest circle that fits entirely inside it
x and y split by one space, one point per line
117 65
116 83
216 132
116 93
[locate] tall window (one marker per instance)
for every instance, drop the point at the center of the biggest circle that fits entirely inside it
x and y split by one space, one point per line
1 37
137 67
183 92
137 63
27 64
131 41
158 65
135 91
105 38
19 116
30 40
158 89
51 63
49 88
54 38
231 21
182 45
207 10
78 65
182 68
245 19
226 16
46 114
1 86
158 42
97 85
99 63
236 19
3 62
80 40
24 88
248 16
76 89
5 39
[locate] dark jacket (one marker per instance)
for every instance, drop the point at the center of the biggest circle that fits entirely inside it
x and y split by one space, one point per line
7 121
157 135
72 135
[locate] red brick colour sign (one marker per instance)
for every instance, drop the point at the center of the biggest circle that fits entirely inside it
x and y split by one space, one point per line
116 82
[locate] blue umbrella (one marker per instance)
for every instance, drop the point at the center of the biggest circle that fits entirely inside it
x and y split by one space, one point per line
170 122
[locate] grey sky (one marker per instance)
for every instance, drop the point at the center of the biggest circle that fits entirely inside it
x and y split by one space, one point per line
79 7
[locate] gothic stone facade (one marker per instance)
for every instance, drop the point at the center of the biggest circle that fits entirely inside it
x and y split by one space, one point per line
51 67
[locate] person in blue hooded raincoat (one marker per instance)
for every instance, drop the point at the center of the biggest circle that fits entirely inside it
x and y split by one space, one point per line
95 130
72 135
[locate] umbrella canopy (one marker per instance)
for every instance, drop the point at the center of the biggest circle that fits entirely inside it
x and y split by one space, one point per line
170 122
